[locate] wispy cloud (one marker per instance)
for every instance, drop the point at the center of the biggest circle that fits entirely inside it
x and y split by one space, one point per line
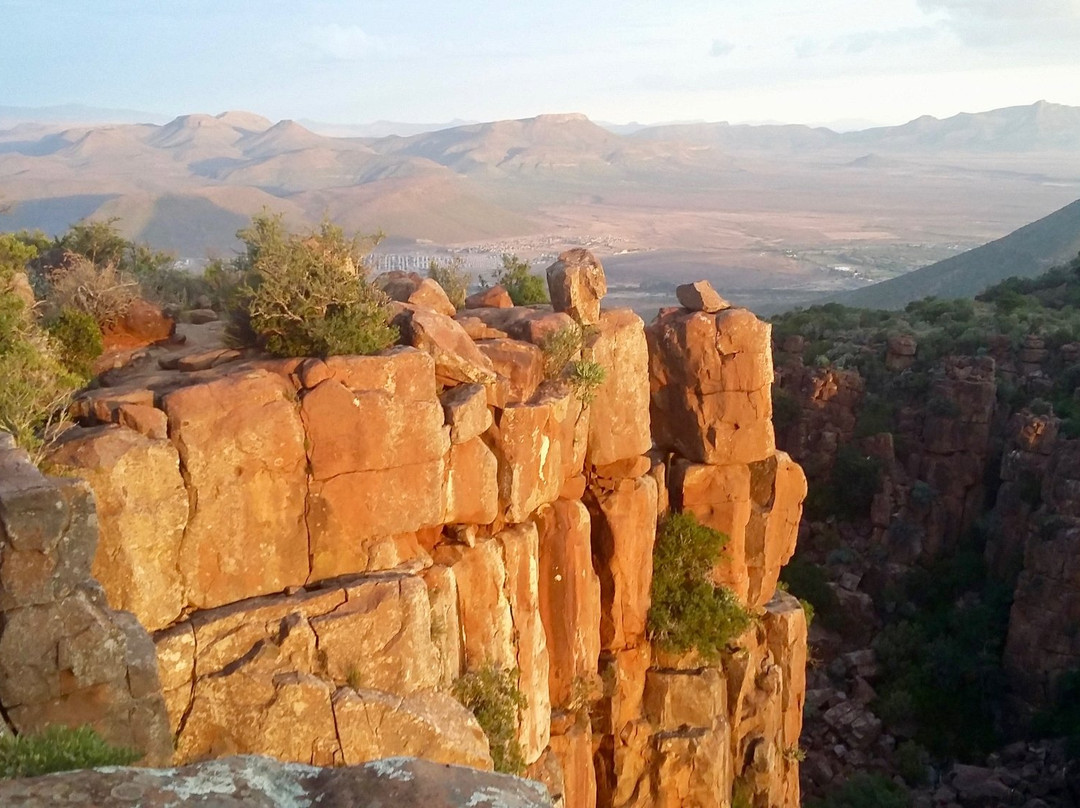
721 47
339 42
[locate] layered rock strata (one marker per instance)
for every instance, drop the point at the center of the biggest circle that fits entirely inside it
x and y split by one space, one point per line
339 540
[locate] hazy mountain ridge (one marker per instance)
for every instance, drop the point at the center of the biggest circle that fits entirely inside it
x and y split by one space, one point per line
531 177
1027 252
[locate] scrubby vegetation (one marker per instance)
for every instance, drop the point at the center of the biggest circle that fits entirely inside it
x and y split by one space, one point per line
452 278
564 359
494 697
866 791
688 610
523 287
308 294
36 383
59 749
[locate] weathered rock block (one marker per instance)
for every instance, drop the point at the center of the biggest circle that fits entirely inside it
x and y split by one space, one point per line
577 284
466 412
520 366
720 498
374 725
710 376
241 446
569 598
700 296
457 359
618 420
521 553
472 486
624 531
142 511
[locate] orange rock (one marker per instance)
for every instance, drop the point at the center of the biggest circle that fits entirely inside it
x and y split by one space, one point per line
569 599
466 412
142 324
148 421
241 443
374 725
142 509
573 749
383 431
429 295
710 377
529 443
472 488
520 366
720 497
624 530
520 547
623 753
618 424
778 488
700 296
494 297
486 623
457 359
577 284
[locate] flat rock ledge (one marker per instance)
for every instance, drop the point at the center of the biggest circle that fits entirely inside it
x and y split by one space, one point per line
262 782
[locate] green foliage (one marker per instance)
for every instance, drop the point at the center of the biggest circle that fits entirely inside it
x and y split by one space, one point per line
78 341
940 656
688 611
35 382
452 278
864 790
876 415
585 378
58 749
911 761
849 491
560 348
100 242
495 698
523 287
786 410
809 583
308 295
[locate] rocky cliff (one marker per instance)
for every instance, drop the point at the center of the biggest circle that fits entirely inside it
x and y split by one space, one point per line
319 549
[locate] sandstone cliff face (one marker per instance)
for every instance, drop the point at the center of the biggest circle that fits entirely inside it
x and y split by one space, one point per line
339 540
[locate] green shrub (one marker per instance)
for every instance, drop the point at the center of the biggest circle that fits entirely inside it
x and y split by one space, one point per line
585 378
809 583
560 348
688 611
523 287
78 341
36 384
308 295
58 749
494 697
786 409
864 790
911 761
452 278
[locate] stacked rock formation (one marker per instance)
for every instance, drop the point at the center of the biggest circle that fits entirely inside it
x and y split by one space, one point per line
320 548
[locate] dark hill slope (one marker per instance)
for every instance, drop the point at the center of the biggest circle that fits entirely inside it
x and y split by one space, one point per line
1029 251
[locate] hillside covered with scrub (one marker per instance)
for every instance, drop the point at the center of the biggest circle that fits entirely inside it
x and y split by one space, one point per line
940 443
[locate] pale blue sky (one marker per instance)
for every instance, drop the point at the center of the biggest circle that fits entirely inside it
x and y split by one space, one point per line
340 61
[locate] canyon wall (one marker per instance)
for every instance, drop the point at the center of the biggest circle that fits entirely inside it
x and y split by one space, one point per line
320 549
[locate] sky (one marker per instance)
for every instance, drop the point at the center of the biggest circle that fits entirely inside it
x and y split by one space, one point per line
342 61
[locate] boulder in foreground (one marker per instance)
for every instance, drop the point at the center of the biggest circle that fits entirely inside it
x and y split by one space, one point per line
259 782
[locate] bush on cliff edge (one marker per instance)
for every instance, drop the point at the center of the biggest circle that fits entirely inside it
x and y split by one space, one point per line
308 295
688 610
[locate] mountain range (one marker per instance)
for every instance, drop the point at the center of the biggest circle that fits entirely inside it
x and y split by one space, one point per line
760 205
